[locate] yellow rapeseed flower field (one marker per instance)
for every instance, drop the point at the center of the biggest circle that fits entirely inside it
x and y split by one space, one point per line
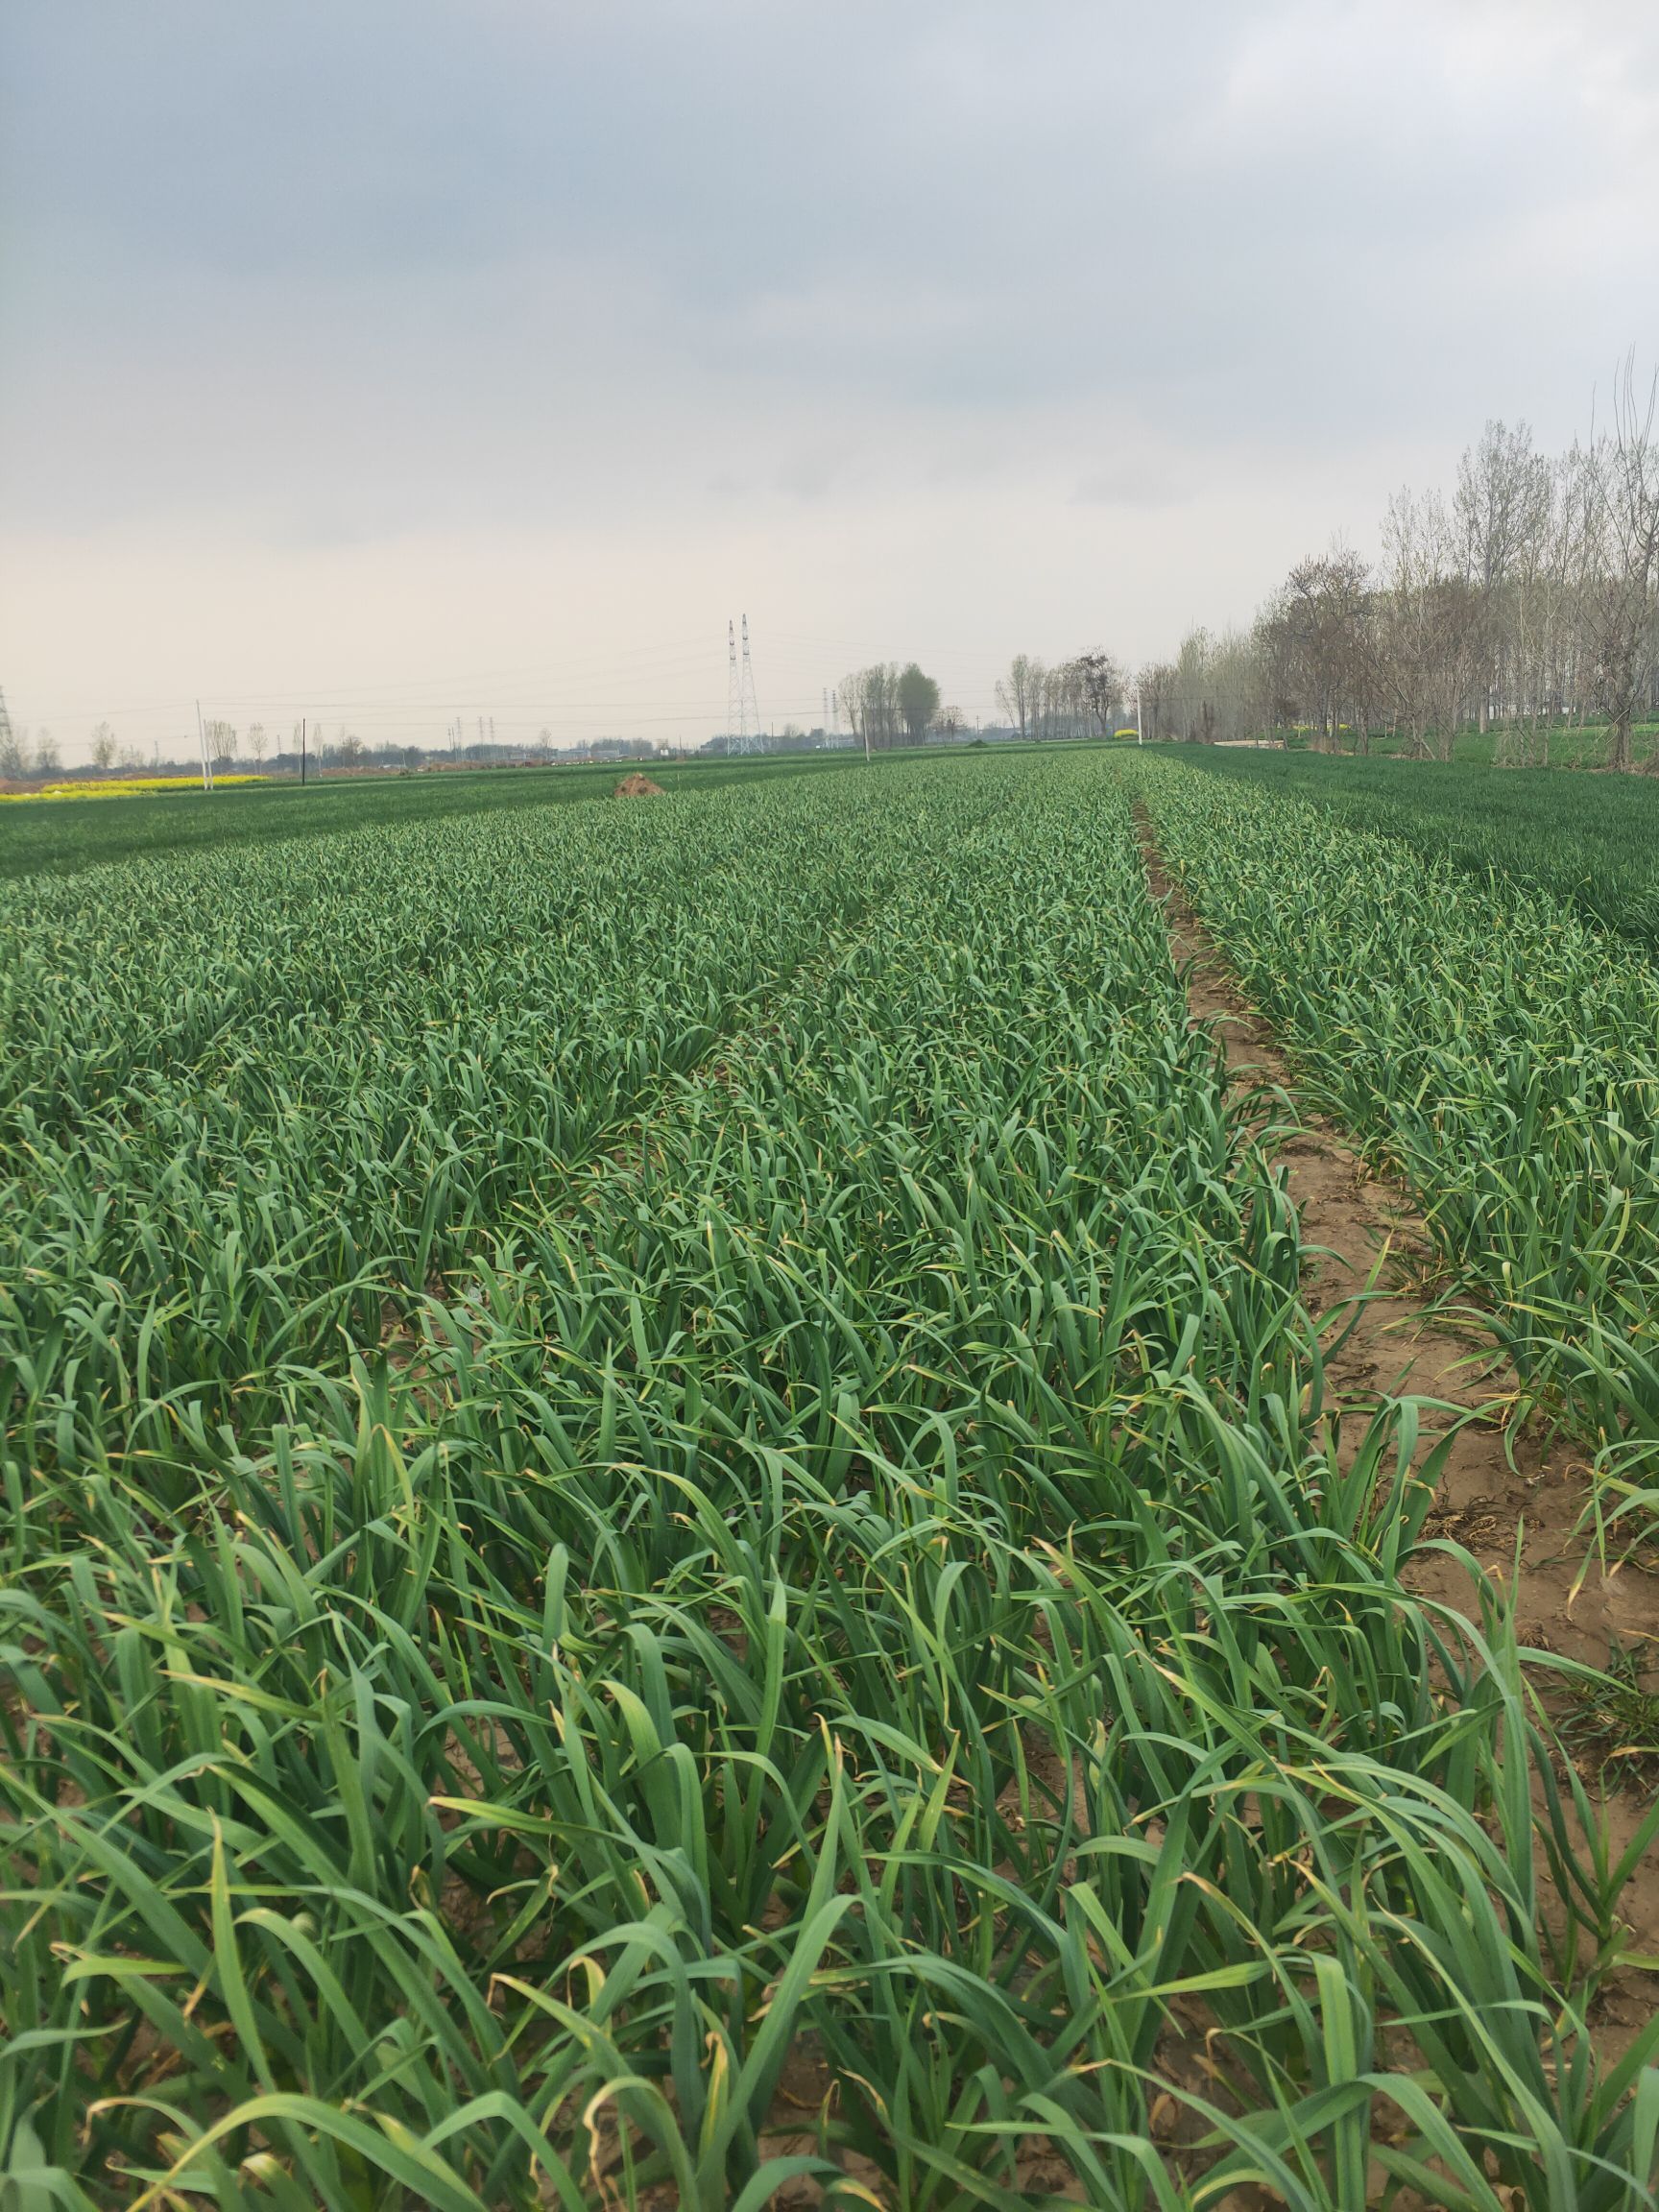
119 787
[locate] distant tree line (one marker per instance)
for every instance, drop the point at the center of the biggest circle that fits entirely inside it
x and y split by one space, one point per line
1525 601
24 753
886 705
1079 698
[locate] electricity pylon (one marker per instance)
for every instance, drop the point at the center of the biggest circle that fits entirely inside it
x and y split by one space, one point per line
743 732
750 738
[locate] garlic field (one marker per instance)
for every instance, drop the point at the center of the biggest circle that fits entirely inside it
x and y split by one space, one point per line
672 1536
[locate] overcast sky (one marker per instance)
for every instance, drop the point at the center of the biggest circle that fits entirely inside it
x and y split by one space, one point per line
390 359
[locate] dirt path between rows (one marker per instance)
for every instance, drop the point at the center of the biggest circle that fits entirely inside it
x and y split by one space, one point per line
1493 1488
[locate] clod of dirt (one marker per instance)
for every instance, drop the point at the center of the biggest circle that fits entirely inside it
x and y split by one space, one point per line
638 786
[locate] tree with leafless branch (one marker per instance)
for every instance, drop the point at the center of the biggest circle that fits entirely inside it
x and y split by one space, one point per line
1431 632
1619 559
1499 510
1019 694
1318 635
1100 686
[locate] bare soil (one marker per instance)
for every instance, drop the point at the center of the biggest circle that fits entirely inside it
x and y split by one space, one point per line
638 786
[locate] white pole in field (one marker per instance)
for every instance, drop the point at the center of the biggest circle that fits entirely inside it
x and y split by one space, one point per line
1140 734
202 741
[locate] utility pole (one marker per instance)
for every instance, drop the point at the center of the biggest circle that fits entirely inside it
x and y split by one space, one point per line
734 691
202 741
1140 734
302 752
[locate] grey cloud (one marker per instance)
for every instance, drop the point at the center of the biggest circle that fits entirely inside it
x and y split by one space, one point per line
328 274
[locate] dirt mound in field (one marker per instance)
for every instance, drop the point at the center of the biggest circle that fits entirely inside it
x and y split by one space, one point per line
638 786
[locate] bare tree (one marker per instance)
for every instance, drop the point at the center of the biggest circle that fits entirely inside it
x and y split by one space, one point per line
870 701
1433 628
1050 694
13 751
1100 686
48 761
850 695
1193 704
1619 565
1052 700
1020 693
1317 636
1216 688
104 745
1067 712
1155 688
256 742
1539 640
1500 510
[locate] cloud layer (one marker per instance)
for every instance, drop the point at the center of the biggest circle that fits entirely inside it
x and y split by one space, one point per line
350 352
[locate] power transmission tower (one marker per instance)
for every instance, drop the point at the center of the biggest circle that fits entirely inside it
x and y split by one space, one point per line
750 738
6 737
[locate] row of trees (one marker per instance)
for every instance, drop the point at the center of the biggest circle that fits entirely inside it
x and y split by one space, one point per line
885 705
1525 600
1077 698
23 753
27 758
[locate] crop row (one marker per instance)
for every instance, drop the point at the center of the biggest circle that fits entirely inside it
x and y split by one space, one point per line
847 1597
1502 1053
249 1097
1590 841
